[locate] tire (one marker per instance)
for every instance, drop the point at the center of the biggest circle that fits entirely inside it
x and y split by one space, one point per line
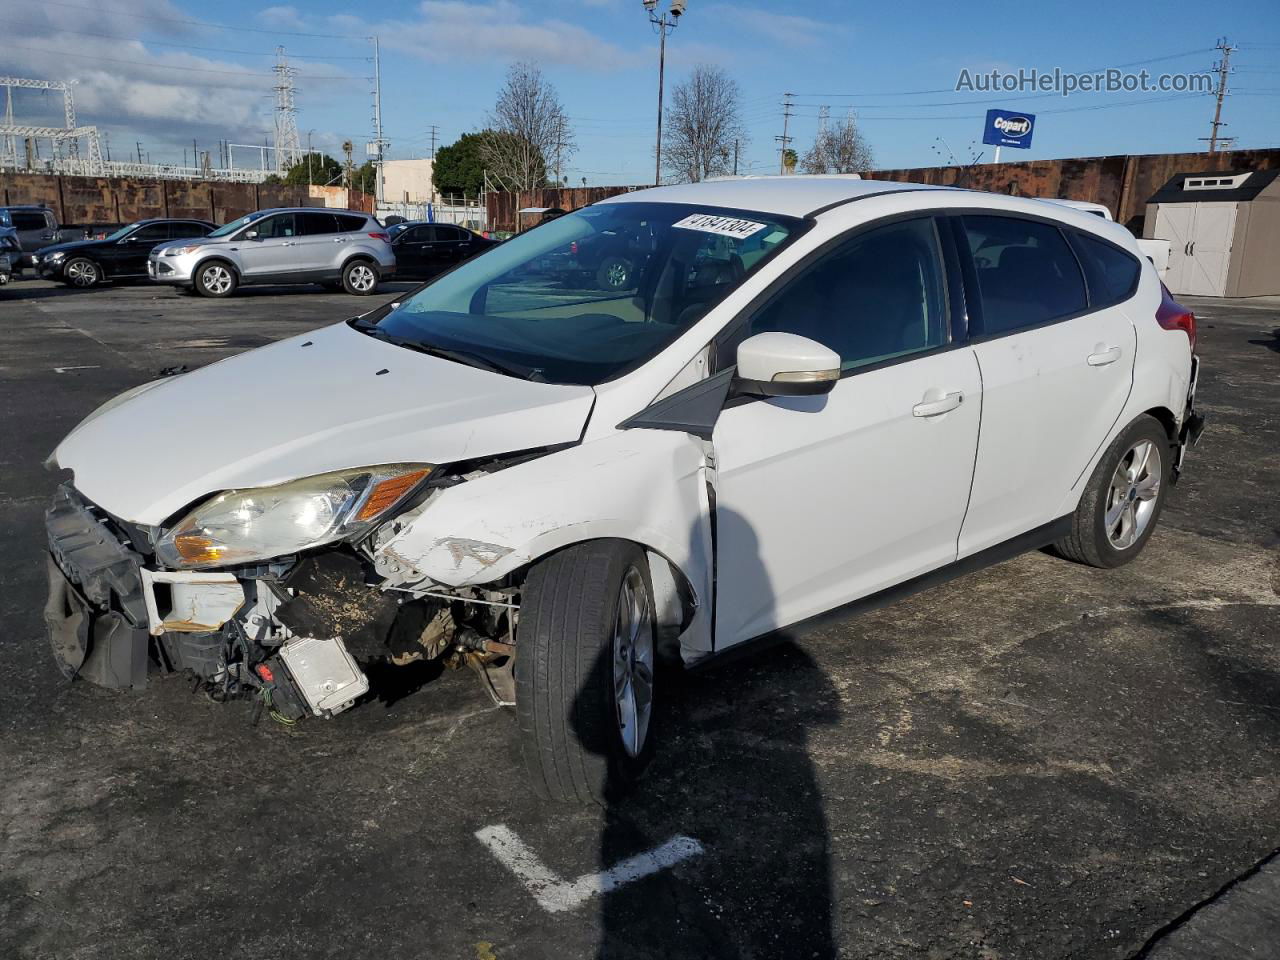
1116 515
215 278
614 273
81 272
571 725
360 278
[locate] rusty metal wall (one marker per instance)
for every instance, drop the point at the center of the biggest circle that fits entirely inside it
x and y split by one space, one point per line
1123 183
503 207
103 201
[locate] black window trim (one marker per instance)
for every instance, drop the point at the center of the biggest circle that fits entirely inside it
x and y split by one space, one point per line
953 310
973 291
1074 233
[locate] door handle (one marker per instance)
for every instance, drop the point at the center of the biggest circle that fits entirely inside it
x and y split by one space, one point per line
339 239
934 408
287 243
1103 355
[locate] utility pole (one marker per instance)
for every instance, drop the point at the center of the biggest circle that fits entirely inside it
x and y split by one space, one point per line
736 145
1222 68
139 151
379 143
434 128
784 141
106 142
664 23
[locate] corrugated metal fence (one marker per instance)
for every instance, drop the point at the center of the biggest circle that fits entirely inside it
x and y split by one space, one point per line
1123 183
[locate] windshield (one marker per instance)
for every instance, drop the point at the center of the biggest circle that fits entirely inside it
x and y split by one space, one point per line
587 296
122 232
234 225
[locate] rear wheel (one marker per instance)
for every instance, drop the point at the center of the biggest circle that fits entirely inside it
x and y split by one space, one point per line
585 668
215 279
360 278
1118 512
81 273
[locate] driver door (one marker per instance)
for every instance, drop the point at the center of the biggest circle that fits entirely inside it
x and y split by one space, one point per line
271 252
823 500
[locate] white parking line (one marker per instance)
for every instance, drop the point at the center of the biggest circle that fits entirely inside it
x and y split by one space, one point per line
555 894
85 366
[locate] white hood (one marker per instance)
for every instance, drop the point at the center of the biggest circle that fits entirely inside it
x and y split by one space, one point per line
328 400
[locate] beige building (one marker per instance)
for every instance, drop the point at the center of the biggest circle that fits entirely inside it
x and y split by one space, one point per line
408 181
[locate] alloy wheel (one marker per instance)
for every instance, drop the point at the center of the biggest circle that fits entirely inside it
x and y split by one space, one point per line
1132 496
82 273
362 278
217 279
633 662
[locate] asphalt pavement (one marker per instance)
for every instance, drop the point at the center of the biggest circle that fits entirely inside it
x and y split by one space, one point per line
1037 761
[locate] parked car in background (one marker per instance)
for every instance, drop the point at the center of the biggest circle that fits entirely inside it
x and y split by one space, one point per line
35 226
343 249
818 394
425 250
9 251
121 255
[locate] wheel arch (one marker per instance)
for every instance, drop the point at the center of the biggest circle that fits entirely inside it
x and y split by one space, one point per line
217 258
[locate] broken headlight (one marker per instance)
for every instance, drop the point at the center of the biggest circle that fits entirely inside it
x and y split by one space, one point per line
246 526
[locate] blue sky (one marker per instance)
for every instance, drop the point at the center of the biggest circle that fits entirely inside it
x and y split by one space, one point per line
167 71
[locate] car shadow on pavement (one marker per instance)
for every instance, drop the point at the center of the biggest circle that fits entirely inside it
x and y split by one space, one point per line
733 772
1272 344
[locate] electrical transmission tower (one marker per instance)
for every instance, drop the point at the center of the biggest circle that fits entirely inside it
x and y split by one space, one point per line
824 116
288 144
68 135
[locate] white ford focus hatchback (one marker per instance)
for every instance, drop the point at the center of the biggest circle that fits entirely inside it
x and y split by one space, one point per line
809 395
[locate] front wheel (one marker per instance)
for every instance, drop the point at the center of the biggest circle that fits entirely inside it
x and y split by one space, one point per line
1120 506
585 670
360 278
215 280
82 273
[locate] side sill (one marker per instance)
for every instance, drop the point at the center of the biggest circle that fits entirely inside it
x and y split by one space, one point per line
1033 539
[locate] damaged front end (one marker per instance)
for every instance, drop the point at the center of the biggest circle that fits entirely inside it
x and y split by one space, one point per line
300 635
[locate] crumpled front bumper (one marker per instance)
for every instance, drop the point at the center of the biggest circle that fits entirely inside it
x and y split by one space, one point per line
95 612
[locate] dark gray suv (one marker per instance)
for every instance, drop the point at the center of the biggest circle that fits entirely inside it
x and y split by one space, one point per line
35 227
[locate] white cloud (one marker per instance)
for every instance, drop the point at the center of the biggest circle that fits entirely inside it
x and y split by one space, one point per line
788 29
454 31
131 89
285 17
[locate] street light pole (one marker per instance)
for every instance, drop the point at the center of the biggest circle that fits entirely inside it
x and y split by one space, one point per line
664 23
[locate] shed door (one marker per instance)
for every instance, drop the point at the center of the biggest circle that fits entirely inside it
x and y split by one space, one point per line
1210 251
1175 222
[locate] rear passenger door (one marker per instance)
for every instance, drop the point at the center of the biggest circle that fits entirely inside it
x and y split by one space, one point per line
318 243
1056 371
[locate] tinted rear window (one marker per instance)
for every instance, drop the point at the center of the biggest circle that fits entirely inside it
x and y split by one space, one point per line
348 223
1026 272
310 224
1112 273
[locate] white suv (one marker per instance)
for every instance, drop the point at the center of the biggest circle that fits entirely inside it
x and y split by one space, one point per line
811 395
336 248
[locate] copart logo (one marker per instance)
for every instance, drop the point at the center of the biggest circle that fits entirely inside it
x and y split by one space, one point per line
1012 126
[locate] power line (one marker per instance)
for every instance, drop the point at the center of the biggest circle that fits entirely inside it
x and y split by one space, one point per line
199 23
181 46
168 66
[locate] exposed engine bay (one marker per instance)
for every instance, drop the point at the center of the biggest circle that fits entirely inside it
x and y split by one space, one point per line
300 636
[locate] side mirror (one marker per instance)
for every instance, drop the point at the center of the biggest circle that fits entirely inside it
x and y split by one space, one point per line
251 235
785 365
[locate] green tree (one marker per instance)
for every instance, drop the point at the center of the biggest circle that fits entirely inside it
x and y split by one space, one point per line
458 169
365 178
319 168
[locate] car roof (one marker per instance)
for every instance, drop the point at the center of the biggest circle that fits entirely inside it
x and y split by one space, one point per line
792 196
358 213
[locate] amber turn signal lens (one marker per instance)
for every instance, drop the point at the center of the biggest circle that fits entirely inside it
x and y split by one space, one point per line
195 549
387 493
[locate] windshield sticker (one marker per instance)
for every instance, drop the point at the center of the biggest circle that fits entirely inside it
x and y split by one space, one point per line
724 226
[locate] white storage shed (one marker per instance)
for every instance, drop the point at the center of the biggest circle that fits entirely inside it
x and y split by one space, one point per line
1224 232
